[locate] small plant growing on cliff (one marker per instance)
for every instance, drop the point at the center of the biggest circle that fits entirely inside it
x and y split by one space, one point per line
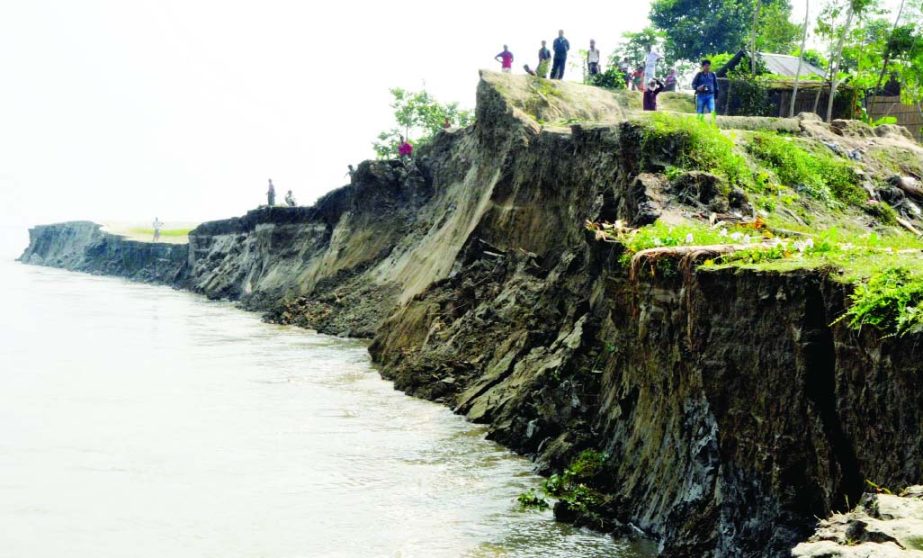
891 301
530 500
570 486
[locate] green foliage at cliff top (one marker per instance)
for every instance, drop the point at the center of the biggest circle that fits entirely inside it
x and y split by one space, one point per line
807 169
886 269
689 143
891 300
419 117
142 231
887 272
760 162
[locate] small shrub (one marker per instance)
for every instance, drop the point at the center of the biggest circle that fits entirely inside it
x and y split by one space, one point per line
891 301
612 78
571 486
529 500
748 96
884 213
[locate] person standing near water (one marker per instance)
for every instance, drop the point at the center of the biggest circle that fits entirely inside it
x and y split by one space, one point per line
560 46
271 194
157 225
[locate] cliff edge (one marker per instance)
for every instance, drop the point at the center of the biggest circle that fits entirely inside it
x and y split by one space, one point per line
719 408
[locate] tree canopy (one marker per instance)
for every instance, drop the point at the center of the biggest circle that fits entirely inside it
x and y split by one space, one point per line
418 117
695 28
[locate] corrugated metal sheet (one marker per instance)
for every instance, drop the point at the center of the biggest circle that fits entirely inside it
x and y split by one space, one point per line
784 65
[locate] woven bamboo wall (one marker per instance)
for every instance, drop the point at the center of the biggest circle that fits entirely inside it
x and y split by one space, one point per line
908 116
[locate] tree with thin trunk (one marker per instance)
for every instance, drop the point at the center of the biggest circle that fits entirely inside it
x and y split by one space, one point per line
838 55
804 41
754 32
887 58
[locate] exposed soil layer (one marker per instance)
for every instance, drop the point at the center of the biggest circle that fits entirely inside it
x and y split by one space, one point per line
729 408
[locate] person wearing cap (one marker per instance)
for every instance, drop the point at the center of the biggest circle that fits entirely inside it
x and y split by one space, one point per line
654 88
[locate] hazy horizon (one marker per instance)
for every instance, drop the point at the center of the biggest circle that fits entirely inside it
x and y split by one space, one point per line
123 111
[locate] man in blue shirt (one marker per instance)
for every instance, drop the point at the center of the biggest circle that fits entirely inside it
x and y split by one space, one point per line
705 84
561 46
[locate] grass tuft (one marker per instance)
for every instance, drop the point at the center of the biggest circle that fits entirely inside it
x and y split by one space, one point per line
819 175
697 145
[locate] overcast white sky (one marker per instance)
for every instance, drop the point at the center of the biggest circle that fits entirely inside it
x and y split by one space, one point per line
121 110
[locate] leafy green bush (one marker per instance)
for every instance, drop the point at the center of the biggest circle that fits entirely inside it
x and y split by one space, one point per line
891 301
748 95
698 145
819 175
612 78
570 486
529 500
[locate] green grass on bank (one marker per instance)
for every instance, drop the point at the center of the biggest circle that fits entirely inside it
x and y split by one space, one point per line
690 144
173 233
886 269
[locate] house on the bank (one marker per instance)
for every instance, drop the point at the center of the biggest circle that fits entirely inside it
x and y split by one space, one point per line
781 65
769 91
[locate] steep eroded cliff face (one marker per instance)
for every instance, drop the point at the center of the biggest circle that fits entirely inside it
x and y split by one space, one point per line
726 407
84 246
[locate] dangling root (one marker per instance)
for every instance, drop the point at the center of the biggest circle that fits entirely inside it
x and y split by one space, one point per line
688 257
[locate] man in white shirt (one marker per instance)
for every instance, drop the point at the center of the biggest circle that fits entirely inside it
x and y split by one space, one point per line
592 58
157 224
650 65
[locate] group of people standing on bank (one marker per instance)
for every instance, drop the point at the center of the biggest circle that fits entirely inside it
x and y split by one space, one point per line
556 58
644 78
271 196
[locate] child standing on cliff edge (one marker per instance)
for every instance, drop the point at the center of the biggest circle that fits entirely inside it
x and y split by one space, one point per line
271 194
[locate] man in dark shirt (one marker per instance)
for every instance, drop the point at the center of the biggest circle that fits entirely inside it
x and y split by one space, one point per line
650 94
544 60
705 84
271 194
560 46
